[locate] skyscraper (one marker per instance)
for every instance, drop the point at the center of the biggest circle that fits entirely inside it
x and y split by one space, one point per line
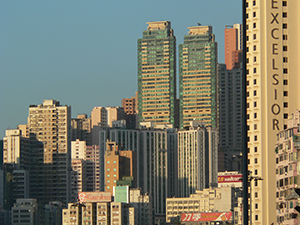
273 92
50 152
233 49
198 81
157 74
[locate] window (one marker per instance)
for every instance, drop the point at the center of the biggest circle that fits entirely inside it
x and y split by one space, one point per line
255 138
285 70
254 81
255 104
256 194
255 126
285 93
285 104
254 70
247 38
255 149
284 26
285 115
254 48
284 14
255 115
254 3
254 14
247 16
254 93
247 82
285 37
255 183
284 48
285 59
254 25
285 82
256 217
247 94
284 3
255 172
256 206
247 49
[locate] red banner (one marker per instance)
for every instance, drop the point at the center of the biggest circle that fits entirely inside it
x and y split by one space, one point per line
215 216
230 178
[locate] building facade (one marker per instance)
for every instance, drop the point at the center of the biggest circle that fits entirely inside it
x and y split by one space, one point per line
233 46
50 152
198 80
273 92
197 159
157 74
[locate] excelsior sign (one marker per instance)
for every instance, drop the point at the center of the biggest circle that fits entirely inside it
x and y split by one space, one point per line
94 196
216 216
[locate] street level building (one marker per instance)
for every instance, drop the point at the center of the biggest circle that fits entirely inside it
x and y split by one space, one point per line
157 74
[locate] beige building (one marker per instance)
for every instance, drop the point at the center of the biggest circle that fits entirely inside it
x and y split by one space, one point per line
222 199
81 128
12 146
272 92
49 127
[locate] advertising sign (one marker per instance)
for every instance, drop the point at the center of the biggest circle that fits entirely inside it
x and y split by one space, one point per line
94 196
230 178
215 216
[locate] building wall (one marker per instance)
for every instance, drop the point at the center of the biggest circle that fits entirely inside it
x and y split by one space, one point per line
25 211
273 87
157 74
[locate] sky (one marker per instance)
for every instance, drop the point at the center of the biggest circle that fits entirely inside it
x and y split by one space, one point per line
84 53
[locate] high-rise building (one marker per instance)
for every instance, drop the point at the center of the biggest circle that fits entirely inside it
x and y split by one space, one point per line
197 159
81 128
129 105
25 211
273 92
157 74
233 49
50 152
198 80
230 117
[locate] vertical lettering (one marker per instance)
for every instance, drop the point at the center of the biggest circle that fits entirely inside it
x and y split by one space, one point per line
274 77
273 6
275 124
274 52
273 35
275 94
273 64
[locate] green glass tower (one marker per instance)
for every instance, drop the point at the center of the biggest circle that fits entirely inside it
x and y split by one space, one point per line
157 74
198 90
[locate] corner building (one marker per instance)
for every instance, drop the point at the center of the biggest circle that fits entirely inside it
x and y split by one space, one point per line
198 80
272 92
157 74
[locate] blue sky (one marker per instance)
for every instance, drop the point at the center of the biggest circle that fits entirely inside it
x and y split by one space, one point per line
84 53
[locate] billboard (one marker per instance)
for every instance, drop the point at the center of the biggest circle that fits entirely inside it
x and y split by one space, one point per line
94 196
215 216
230 178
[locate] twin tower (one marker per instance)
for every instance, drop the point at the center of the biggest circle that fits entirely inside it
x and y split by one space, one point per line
198 80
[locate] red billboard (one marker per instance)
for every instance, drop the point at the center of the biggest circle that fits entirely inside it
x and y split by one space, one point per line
230 178
94 196
215 216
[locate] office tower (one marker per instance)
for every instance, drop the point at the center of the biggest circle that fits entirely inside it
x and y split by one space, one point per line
198 80
50 152
81 128
197 159
287 149
273 92
233 49
230 113
25 211
157 74
129 105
